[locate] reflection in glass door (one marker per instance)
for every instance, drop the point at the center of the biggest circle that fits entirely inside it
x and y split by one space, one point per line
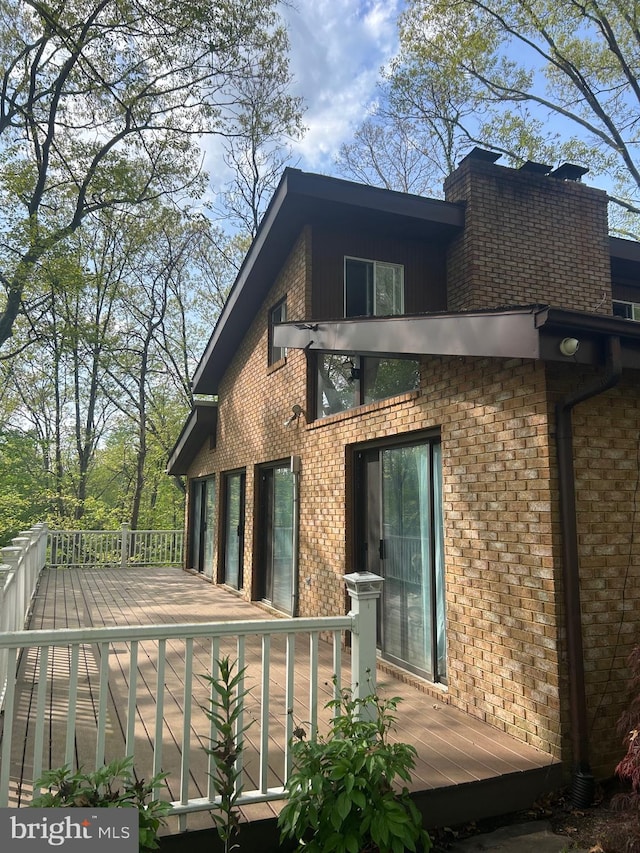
233 528
277 535
400 533
202 517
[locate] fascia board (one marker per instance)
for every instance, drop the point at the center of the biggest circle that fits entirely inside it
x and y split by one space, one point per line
503 335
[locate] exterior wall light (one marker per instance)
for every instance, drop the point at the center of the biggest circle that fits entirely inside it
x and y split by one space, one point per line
569 346
296 412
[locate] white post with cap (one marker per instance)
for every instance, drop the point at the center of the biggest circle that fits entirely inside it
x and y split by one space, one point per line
364 588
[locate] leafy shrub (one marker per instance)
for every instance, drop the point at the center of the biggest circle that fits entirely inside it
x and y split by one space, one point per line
225 711
113 785
341 796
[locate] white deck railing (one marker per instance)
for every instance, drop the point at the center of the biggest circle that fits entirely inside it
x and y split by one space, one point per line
113 665
23 560
20 567
116 547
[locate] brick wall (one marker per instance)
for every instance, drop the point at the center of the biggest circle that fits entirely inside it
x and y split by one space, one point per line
527 239
606 432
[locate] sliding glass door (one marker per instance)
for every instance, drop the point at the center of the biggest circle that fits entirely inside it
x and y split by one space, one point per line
202 516
234 490
399 531
276 570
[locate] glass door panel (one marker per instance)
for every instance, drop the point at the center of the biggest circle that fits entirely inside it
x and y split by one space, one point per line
202 520
277 486
209 529
234 529
399 535
406 554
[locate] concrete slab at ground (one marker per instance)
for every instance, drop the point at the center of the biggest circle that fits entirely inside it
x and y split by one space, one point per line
531 837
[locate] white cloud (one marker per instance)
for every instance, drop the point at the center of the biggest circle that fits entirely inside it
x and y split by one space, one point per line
337 49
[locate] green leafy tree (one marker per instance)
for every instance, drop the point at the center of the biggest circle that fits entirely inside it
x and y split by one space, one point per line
532 79
23 496
102 105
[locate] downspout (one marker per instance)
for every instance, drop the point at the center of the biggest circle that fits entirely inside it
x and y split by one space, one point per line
583 783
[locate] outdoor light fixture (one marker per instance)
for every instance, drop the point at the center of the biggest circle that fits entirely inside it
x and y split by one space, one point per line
296 412
569 346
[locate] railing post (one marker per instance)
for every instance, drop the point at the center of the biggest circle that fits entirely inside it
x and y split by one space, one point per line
365 589
5 624
42 530
124 554
11 556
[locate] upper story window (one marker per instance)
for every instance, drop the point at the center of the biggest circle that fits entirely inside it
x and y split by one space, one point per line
345 382
372 288
278 314
628 310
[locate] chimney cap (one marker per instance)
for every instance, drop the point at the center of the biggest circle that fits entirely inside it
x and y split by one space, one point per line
535 168
569 172
481 154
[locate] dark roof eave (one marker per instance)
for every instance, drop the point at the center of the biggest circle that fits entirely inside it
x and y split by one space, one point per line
622 249
200 423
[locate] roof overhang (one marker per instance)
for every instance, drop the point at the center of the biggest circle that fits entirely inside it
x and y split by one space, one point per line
303 198
534 332
200 425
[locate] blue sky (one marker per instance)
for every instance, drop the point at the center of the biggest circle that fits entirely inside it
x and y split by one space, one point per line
337 49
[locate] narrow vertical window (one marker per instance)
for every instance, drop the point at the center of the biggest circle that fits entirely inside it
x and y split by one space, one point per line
278 314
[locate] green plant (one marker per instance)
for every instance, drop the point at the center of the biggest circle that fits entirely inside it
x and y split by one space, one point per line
115 785
225 711
341 795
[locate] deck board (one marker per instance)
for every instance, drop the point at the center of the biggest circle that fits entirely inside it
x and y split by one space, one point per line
453 748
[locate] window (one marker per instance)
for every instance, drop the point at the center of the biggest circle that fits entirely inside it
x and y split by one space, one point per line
372 288
628 310
278 314
345 382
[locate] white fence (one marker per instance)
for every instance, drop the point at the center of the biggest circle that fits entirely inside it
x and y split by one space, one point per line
20 567
116 547
23 560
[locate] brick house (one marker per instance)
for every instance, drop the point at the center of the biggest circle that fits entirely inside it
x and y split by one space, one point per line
444 393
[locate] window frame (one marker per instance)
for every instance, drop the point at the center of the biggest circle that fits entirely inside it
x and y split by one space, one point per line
275 355
634 309
368 545
357 364
373 297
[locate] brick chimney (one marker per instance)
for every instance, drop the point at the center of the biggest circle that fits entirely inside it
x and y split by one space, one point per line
530 236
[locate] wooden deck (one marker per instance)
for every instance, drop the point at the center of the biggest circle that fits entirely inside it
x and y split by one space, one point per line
465 769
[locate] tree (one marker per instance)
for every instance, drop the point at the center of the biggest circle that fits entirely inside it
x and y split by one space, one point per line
102 104
264 115
23 498
532 79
